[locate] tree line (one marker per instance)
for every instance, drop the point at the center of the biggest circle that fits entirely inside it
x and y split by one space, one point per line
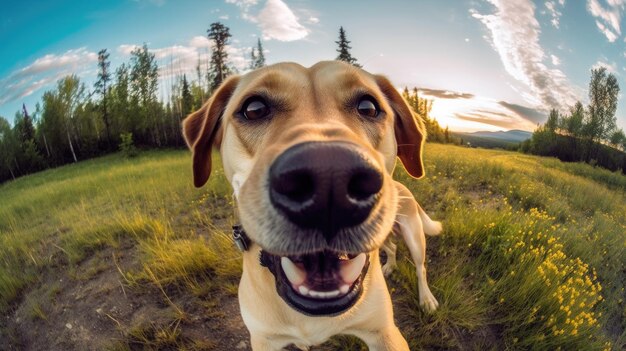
73 122
585 133
122 109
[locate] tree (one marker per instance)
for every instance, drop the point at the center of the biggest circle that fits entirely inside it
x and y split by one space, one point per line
58 121
144 76
196 87
220 34
252 59
186 97
120 98
617 138
27 153
7 149
553 121
101 87
601 120
258 59
574 123
344 49
71 94
570 126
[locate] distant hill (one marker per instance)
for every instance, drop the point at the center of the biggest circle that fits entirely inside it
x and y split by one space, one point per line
509 135
500 139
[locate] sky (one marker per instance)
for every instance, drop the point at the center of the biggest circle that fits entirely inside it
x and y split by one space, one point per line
486 64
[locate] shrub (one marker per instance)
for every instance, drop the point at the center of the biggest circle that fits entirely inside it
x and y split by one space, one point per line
127 146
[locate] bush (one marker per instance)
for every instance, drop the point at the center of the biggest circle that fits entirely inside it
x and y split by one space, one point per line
127 146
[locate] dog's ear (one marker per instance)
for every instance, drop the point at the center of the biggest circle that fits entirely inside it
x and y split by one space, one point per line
408 127
201 129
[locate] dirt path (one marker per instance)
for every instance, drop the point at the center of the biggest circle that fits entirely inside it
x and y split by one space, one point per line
88 307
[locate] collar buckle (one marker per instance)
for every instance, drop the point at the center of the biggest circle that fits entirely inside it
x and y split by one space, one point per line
241 239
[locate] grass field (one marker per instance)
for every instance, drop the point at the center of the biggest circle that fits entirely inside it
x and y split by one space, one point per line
126 254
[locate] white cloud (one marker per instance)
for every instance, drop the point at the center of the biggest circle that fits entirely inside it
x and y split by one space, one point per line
555 60
126 49
611 67
44 71
278 22
224 17
514 35
243 3
607 18
555 13
244 6
200 41
610 36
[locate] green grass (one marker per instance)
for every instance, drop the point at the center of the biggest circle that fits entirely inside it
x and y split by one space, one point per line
532 255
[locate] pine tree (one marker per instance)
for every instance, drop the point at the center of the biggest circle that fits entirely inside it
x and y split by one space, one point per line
104 76
186 97
24 126
260 56
344 49
220 34
252 59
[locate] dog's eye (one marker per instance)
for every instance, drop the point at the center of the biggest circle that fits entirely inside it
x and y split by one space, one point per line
255 108
367 107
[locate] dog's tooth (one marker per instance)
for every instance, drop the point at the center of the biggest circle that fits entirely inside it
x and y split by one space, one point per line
344 289
303 290
295 275
331 294
314 293
350 270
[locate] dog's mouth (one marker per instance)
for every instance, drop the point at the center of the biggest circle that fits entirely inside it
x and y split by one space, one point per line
319 284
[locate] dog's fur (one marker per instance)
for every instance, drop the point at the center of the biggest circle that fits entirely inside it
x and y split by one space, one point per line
313 105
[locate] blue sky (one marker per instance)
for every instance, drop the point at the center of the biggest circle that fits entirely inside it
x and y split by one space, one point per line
487 64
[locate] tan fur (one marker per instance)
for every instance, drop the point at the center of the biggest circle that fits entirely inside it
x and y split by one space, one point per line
309 104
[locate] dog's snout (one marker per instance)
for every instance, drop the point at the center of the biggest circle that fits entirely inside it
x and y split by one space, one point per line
325 185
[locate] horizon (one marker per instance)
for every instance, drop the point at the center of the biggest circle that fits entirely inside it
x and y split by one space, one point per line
487 65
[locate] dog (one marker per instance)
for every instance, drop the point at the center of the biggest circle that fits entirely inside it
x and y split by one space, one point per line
411 224
310 153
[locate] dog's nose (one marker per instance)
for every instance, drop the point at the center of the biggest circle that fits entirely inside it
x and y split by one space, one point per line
325 185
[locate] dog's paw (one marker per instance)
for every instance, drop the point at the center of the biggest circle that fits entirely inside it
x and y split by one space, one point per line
428 302
388 269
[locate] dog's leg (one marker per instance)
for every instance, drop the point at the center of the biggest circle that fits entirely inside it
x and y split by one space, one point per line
388 339
261 342
390 250
413 234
